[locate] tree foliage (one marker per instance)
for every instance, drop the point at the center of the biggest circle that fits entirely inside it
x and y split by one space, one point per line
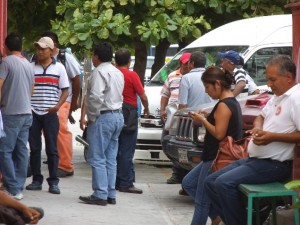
30 18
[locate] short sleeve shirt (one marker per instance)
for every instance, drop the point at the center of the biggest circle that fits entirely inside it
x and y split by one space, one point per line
48 83
170 88
16 90
132 86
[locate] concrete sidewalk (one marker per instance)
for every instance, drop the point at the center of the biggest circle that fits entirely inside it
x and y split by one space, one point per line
160 203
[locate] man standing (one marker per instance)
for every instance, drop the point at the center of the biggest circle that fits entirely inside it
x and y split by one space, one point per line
275 133
64 139
169 96
50 78
16 85
105 121
128 136
191 89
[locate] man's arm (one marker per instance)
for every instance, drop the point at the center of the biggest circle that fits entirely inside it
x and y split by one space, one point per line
1 84
163 104
75 93
62 99
239 87
9 202
144 101
82 120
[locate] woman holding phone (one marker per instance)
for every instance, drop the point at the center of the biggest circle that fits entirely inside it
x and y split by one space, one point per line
224 120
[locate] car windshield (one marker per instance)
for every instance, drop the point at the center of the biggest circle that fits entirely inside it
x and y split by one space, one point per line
173 64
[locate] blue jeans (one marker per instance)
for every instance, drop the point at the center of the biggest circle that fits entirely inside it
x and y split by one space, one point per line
49 124
222 186
102 136
13 151
125 167
193 184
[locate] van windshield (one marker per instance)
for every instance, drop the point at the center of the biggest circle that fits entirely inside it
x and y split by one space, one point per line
173 64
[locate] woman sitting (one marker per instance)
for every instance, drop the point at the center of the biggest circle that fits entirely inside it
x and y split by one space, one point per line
224 120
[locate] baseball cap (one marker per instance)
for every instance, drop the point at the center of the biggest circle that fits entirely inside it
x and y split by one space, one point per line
231 55
45 42
185 57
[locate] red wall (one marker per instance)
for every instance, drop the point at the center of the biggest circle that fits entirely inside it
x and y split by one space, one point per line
3 23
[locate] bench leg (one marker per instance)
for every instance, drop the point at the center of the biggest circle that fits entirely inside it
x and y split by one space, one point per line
250 207
274 214
296 211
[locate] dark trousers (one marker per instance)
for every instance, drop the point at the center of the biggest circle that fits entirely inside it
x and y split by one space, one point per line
125 167
49 124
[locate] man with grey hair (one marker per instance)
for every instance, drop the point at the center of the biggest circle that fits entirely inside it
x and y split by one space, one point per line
191 89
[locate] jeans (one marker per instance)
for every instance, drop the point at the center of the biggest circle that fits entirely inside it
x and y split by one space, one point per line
102 136
125 167
193 184
222 186
49 124
13 151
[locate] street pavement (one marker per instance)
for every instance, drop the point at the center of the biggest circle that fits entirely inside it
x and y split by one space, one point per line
159 204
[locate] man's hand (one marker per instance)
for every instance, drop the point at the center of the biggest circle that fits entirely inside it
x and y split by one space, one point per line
52 110
146 113
71 118
163 115
83 123
32 214
261 137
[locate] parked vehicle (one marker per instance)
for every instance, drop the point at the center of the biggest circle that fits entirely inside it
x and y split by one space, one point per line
256 39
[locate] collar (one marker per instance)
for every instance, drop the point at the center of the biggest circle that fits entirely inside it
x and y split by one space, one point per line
291 90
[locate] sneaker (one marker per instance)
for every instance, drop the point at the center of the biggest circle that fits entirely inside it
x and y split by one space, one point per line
62 173
174 179
131 189
34 186
18 196
93 200
54 189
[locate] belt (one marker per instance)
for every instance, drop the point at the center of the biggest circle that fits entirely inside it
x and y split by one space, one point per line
110 111
287 162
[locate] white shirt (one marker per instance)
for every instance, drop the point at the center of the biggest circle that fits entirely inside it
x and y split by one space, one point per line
104 90
281 115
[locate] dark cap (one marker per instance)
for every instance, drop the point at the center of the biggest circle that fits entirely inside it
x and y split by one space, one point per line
231 55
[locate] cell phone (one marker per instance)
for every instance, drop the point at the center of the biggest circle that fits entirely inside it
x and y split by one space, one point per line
246 134
192 113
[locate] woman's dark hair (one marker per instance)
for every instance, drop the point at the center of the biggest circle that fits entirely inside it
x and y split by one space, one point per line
103 51
13 42
122 57
214 73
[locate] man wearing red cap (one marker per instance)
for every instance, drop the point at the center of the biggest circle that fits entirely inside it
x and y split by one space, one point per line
169 98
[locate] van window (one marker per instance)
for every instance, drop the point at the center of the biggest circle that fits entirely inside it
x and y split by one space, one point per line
256 64
173 64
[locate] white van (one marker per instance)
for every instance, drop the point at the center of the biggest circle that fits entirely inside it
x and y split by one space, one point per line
256 39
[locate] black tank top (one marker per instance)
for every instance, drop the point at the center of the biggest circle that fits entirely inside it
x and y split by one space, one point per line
211 144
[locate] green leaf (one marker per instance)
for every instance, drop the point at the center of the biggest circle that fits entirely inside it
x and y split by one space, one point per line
172 27
213 3
123 2
74 40
83 36
109 14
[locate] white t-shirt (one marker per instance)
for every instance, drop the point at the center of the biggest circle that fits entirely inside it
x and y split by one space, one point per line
281 115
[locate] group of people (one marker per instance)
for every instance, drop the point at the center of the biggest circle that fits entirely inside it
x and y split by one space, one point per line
274 135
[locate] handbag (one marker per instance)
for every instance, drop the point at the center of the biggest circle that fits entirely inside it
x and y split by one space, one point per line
229 151
130 117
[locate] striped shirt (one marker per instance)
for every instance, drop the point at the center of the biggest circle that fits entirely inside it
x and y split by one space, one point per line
47 84
170 89
239 75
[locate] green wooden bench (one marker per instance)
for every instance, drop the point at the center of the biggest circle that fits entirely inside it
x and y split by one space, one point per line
275 189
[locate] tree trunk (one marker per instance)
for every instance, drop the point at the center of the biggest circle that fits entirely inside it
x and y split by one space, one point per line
160 56
140 49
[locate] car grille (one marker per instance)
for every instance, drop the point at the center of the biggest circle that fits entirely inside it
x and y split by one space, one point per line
185 129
